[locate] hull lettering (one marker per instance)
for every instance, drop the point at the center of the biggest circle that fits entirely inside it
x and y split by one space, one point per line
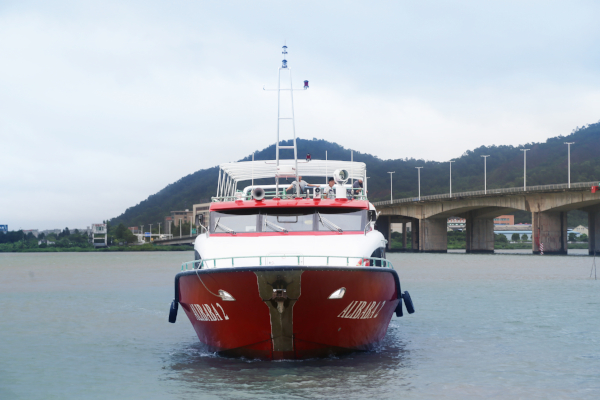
208 312
362 310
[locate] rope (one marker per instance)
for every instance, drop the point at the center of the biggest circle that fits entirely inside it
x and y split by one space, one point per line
198 275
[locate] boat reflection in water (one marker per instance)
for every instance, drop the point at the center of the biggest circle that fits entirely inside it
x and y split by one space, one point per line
371 374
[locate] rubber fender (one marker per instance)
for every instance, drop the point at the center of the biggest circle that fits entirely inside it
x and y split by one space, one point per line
408 303
399 308
173 312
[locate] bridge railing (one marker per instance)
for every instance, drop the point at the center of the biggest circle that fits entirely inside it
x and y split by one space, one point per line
538 188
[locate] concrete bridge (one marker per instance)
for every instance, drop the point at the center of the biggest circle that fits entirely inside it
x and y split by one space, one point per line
176 241
548 205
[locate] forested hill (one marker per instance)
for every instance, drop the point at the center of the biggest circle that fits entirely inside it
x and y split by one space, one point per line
546 164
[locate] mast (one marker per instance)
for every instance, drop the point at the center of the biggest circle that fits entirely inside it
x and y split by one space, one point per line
285 68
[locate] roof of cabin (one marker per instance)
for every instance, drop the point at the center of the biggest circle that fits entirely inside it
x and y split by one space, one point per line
247 170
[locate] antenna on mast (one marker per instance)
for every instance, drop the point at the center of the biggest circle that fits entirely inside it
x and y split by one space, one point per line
289 171
284 52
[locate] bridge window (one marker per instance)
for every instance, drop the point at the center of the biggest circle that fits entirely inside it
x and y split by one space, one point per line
297 221
346 220
224 222
286 219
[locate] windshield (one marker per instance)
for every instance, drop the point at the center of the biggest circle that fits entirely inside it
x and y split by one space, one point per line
288 220
297 221
226 222
346 221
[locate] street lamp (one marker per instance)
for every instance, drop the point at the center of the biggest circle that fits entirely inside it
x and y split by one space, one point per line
569 160
180 219
391 199
419 174
525 168
450 177
142 232
485 174
150 232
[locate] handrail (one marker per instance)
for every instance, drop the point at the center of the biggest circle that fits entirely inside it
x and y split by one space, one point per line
271 194
538 188
294 260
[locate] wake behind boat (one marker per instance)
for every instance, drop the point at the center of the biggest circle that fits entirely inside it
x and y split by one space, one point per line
290 276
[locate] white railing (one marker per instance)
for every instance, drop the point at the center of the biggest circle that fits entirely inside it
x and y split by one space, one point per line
271 194
286 260
490 192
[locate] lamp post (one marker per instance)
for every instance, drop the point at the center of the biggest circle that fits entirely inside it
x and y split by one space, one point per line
391 199
525 168
569 160
150 232
180 219
142 232
419 175
450 177
485 174
159 229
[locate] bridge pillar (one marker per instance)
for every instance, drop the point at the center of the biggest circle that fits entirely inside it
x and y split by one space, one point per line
415 236
479 234
549 228
384 225
433 235
404 235
593 230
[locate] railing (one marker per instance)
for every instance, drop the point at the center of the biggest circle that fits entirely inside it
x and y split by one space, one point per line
539 188
271 194
286 260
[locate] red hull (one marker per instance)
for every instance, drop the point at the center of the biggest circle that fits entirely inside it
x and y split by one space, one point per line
305 324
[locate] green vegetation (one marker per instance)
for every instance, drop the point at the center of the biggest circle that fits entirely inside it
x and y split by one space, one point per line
67 241
546 164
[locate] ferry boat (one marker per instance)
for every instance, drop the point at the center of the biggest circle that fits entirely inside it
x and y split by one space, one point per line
280 275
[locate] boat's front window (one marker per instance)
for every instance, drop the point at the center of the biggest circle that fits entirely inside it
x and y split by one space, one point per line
287 220
222 222
344 220
298 221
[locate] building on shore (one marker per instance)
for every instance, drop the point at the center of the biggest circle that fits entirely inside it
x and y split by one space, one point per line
581 230
176 218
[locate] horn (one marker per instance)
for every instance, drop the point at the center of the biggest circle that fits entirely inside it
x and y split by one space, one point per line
317 193
258 193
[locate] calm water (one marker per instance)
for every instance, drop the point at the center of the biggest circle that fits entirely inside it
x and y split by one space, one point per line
95 326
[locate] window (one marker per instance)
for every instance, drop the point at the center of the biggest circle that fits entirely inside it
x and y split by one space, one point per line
223 222
292 221
287 220
345 220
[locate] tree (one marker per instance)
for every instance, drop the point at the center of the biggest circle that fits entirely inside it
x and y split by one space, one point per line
572 237
500 238
583 237
515 237
525 238
120 231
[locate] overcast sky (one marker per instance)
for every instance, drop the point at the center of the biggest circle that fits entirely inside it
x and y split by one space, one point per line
104 103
